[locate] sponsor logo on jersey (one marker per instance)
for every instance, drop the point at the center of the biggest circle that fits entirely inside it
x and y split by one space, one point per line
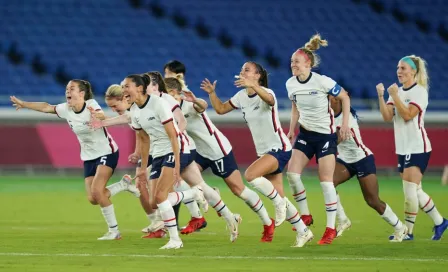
151 118
313 92
153 173
256 108
407 100
302 142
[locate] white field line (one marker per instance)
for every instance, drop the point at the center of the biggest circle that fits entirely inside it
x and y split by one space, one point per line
375 259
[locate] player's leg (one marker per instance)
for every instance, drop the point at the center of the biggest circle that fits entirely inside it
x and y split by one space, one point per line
255 175
342 173
429 207
88 185
193 177
294 175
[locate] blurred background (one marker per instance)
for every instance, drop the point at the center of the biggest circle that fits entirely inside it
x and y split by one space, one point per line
45 43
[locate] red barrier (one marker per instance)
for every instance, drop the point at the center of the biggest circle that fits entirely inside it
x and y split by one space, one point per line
55 144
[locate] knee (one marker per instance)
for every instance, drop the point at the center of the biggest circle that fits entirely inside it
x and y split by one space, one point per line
373 202
237 190
92 200
159 197
249 175
97 194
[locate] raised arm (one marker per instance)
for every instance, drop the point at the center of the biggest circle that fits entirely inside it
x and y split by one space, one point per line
200 105
407 113
387 111
262 93
119 120
220 108
36 106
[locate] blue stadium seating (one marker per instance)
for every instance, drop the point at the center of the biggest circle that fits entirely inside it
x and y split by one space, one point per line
104 40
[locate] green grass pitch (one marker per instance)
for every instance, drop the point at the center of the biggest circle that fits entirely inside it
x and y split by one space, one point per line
46 224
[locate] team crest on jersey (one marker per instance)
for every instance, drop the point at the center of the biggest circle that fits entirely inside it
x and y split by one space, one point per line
313 92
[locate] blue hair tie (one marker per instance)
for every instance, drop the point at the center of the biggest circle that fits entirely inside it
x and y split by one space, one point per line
409 61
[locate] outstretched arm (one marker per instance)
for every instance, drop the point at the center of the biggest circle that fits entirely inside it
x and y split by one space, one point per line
220 108
36 106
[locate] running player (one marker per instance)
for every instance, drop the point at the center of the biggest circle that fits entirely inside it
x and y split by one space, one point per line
354 158
406 107
99 152
309 93
215 152
259 107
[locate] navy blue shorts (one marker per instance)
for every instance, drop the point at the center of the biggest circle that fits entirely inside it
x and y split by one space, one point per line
282 157
361 168
420 160
139 163
168 161
110 160
316 144
222 167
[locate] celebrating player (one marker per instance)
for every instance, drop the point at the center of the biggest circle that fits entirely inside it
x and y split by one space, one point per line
98 149
406 107
309 93
259 107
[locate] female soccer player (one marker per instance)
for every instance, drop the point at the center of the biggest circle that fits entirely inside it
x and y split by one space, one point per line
259 107
148 113
215 152
354 158
406 107
309 93
98 149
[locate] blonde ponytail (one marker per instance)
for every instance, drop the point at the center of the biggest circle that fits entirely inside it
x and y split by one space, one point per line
421 76
311 46
114 91
181 79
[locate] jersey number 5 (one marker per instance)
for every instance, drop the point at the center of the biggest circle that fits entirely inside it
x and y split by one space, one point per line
103 160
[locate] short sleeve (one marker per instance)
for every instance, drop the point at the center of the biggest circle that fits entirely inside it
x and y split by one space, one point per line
235 101
93 104
330 86
164 112
135 125
420 99
188 107
390 101
172 102
61 110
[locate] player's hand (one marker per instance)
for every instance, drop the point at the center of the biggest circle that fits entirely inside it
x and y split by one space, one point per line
97 114
380 89
242 82
95 123
176 176
133 158
345 133
291 135
207 86
189 96
393 89
141 177
16 102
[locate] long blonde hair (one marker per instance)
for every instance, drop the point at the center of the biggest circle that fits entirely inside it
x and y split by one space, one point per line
421 75
114 91
311 46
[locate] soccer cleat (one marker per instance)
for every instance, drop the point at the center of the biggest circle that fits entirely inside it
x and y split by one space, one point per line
439 230
232 225
303 238
154 226
407 237
156 234
343 226
328 236
307 219
280 212
200 199
268 232
173 244
126 182
194 225
400 234
110 235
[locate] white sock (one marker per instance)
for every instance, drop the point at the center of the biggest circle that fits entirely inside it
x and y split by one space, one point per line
428 206
299 192
293 217
115 188
390 217
182 186
109 216
151 217
265 187
331 201
191 204
410 204
214 200
169 219
340 213
254 202
177 197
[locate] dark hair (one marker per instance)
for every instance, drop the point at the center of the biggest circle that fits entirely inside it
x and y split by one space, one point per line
263 81
140 80
175 66
157 78
84 86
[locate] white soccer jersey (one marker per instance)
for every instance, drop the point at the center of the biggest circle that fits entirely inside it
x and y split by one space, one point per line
311 99
94 143
151 117
172 102
353 149
411 137
210 142
262 120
